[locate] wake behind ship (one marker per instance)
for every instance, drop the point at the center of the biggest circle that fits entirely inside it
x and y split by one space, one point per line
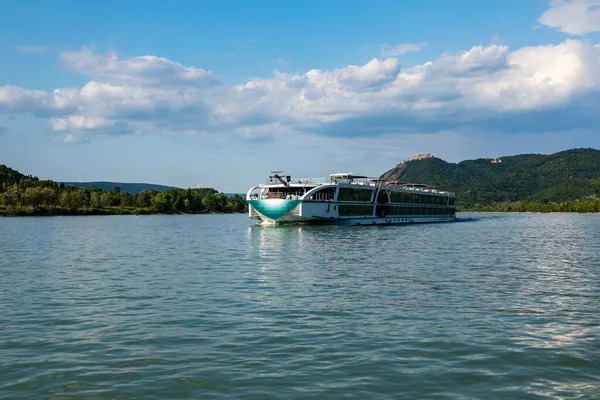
348 199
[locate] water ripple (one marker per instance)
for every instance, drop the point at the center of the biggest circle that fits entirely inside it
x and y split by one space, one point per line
157 307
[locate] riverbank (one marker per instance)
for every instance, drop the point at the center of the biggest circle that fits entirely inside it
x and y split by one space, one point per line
61 211
579 206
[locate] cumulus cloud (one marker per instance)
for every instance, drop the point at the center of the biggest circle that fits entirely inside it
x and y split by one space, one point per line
482 59
17 99
575 17
400 49
371 75
479 87
143 70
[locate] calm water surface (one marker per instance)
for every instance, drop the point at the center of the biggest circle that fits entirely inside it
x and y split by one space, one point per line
502 306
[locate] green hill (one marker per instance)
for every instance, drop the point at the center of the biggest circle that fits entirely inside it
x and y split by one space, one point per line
566 176
131 188
9 176
27 195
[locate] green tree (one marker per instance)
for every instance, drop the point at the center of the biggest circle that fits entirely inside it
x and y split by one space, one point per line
83 198
160 203
126 199
95 201
143 199
178 205
210 203
12 196
107 199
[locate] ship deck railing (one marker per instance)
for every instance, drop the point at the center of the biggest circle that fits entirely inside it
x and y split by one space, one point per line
280 195
422 189
299 181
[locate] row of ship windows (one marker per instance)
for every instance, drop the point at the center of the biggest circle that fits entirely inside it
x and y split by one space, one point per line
367 210
399 210
351 194
415 198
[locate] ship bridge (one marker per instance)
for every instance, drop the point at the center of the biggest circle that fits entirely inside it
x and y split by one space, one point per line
345 177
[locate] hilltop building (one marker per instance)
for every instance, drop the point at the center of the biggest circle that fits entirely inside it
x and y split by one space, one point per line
420 157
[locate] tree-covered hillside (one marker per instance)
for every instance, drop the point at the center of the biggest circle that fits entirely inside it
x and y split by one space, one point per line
27 195
570 175
9 176
131 188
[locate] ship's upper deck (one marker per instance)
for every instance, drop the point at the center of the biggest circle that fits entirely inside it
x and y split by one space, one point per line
283 186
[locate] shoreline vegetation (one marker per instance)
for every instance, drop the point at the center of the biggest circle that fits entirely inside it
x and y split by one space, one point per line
22 195
574 207
591 205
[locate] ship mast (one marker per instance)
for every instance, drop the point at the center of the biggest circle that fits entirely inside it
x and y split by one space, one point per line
280 178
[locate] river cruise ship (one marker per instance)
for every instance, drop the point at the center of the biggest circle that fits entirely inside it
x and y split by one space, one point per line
348 199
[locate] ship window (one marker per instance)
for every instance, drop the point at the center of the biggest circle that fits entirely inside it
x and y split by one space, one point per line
355 210
352 194
285 192
398 211
399 197
325 194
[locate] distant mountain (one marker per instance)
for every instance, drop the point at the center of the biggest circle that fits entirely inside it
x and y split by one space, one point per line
131 188
566 176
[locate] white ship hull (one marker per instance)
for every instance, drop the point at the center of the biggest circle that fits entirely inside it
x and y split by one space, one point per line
345 202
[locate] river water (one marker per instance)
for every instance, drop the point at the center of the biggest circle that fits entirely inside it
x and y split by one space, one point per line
499 306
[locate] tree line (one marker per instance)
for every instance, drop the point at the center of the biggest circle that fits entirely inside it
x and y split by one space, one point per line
590 205
27 195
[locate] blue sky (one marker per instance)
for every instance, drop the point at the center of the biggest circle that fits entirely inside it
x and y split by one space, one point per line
218 93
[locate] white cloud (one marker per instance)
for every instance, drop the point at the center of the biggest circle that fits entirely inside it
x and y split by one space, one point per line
143 70
486 59
70 138
78 122
575 17
372 74
400 49
17 99
157 95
